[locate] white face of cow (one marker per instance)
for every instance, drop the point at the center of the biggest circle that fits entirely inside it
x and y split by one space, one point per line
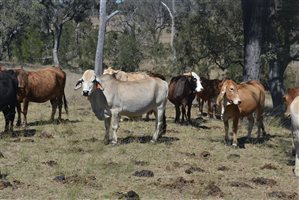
198 83
89 82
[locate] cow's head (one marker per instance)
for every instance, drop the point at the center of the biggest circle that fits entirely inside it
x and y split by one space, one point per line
22 77
89 83
198 82
229 91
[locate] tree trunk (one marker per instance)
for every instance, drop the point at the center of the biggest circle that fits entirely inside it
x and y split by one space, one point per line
57 36
101 38
253 21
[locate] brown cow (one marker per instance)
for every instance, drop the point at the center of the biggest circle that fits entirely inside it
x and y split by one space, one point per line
242 101
210 92
40 86
289 96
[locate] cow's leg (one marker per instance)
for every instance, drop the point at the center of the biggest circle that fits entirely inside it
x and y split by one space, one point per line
226 129
19 110
54 103
235 129
189 113
177 114
297 158
210 111
59 107
5 113
160 123
200 105
250 125
260 123
9 115
107 122
115 126
183 113
25 109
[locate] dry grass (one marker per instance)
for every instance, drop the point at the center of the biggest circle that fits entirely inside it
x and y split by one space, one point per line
190 162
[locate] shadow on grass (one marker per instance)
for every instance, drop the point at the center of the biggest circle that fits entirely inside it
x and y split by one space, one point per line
19 133
47 122
146 139
263 139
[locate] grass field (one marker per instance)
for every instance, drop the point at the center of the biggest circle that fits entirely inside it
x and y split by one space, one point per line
70 161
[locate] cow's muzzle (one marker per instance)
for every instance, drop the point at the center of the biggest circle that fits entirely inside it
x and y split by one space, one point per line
85 93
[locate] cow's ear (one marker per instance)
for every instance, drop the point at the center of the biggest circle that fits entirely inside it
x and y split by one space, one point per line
99 84
221 94
78 84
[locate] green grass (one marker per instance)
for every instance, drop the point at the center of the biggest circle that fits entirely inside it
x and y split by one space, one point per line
96 171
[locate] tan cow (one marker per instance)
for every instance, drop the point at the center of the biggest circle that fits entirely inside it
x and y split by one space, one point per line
242 100
126 76
40 86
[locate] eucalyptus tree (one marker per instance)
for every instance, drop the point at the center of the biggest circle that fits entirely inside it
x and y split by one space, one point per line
59 12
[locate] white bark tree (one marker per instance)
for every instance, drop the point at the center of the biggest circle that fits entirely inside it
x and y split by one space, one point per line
103 19
173 30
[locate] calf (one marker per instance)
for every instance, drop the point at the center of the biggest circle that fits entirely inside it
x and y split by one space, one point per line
210 92
182 91
294 112
40 86
110 98
8 97
242 101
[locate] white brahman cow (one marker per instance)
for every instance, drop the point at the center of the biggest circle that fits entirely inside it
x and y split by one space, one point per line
110 98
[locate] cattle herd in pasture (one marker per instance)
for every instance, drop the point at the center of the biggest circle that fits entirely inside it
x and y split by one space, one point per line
117 93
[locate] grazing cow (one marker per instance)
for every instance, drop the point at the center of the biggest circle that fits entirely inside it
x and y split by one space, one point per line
8 97
41 86
182 91
210 93
242 101
111 98
294 112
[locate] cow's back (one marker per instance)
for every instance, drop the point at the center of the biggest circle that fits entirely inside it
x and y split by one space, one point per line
180 90
134 96
45 84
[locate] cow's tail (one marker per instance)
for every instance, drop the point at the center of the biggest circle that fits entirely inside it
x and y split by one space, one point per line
65 105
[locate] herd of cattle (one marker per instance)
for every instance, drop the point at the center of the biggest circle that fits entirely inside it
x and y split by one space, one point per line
117 93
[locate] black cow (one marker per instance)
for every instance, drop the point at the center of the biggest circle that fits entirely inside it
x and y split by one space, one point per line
181 92
8 97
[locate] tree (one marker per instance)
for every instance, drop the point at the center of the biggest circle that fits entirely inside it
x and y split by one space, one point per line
103 19
254 19
282 44
58 13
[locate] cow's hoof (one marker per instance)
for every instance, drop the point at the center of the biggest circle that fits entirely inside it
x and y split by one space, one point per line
106 142
153 141
114 143
235 145
18 124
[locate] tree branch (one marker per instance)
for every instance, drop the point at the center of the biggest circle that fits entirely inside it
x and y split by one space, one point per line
112 15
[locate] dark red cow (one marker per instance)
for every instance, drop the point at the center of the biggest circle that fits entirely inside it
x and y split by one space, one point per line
210 93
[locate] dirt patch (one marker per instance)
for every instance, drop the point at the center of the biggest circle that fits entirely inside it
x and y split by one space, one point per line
205 155
193 169
214 190
264 181
50 163
179 184
93 139
282 195
269 166
4 184
1 155
144 173
240 184
131 195
76 179
188 154
28 140
233 157
223 168
141 163
46 135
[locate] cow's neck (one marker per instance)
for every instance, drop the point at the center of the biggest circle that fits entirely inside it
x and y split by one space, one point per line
99 104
